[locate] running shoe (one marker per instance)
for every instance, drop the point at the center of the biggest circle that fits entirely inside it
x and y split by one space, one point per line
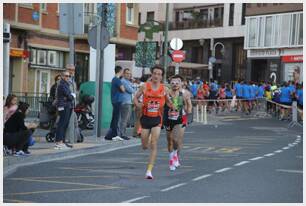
117 138
19 153
149 175
176 162
171 165
125 138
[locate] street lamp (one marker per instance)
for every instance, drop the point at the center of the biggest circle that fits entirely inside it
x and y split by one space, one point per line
212 60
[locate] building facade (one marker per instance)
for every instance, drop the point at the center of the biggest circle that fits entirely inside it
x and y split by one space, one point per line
38 51
206 29
274 42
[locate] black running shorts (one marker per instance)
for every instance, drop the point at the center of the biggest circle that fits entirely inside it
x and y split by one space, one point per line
149 122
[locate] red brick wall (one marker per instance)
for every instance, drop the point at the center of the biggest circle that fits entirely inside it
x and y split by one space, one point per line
51 19
9 11
127 32
25 15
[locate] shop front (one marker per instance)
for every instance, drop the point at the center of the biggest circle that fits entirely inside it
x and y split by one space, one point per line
292 68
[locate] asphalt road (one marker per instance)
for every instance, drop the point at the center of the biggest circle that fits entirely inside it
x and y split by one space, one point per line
252 161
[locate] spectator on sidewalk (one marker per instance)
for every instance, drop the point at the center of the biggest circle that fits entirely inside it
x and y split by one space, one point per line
126 103
53 88
117 89
137 110
10 107
64 107
73 121
16 134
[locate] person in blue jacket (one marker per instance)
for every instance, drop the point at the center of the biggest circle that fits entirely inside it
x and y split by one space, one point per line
299 97
246 95
285 98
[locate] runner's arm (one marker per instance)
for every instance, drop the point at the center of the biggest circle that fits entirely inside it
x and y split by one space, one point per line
188 103
137 95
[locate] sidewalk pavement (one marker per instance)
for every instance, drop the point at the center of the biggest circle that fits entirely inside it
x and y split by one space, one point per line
43 151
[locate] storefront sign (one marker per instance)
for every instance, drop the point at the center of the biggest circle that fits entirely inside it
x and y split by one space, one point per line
292 58
263 53
19 53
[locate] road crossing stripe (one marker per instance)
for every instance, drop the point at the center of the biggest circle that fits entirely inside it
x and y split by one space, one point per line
201 177
223 170
257 158
241 163
269 155
279 151
290 171
194 149
285 148
173 187
135 199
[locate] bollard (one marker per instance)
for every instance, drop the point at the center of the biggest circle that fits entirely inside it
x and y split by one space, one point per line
202 113
205 114
198 113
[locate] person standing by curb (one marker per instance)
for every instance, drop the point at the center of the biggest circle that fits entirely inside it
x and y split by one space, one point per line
126 103
116 90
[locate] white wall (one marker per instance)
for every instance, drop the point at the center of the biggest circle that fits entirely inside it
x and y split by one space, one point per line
109 63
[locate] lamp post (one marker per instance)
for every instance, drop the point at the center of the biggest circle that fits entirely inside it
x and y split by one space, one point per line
213 60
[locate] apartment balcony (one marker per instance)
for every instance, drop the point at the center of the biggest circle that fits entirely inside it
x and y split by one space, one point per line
193 24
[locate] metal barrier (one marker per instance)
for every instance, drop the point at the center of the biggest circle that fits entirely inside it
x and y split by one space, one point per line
34 102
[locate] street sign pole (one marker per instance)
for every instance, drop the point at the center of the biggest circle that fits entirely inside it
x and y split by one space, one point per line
71 37
6 60
166 42
177 67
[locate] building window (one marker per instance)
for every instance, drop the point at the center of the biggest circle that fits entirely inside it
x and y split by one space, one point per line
252 32
129 13
243 14
300 41
277 30
26 5
293 29
33 56
52 58
150 16
285 30
268 31
231 15
139 19
41 57
43 7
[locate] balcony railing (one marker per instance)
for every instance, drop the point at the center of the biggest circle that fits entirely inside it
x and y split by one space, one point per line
193 24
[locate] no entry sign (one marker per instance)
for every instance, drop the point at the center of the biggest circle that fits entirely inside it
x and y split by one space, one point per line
178 56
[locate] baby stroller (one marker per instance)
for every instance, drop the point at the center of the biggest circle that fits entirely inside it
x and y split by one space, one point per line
47 119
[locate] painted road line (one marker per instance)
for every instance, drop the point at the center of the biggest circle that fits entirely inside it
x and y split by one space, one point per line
194 149
241 163
201 177
173 187
269 155
256 158
278 151
290 171
135 199
223 170
285 148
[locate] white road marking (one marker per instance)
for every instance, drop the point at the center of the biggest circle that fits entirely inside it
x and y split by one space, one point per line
135 199
194 149
201 177
285 148
173 187
223 170
290 171
256 158
241 163
269 155
279 151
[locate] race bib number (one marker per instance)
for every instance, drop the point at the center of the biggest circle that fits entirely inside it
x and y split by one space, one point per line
153 107
173 114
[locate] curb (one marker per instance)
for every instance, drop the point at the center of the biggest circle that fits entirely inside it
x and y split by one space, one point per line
10 165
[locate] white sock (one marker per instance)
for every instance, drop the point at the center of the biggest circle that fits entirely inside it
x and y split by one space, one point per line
175 152
171 154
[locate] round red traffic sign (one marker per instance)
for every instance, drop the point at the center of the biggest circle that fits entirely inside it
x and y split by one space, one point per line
178 56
